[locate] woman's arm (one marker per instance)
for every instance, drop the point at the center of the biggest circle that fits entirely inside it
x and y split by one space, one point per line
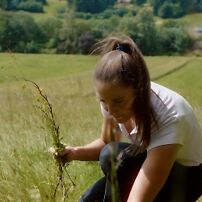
91 151
153 173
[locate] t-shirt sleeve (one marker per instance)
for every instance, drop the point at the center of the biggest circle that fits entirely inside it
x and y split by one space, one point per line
170 134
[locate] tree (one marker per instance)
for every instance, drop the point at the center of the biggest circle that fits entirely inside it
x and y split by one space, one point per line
139 2
175 8
31 6
85 42
3 4
172 39
91 6
170 10
156 5
18 30
27 5
145 35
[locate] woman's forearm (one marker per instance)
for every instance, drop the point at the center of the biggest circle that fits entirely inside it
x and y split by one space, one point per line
89 152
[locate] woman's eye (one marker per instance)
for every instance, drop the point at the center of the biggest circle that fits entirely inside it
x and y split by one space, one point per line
118 101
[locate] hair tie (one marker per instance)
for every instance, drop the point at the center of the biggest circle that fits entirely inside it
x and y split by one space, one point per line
120 48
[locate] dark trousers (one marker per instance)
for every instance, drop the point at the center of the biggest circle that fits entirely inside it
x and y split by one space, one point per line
184 184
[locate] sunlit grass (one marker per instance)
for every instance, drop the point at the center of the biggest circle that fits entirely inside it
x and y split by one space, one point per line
33 66
26 169
50 10
194 19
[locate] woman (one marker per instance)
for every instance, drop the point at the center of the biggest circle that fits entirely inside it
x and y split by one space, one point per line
153 133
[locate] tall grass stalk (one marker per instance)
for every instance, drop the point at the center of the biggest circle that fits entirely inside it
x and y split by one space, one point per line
113 174
53 130
114 162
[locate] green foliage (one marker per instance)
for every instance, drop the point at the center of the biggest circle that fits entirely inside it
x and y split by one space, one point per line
91 6
120 11
172 38
143 31
145 35
85 42
139 2
50 29
170 10
31 6
197 6
77 32
77 37
27 5
175 8
168 38
19 33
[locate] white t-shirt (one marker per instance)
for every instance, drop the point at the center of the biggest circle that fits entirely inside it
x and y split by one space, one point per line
177 125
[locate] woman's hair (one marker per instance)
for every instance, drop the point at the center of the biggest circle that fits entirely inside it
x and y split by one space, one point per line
122 63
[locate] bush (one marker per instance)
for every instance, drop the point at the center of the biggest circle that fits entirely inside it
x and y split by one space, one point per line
17 30
121 11
175 8
32 47
172 40
31 6
82 15
27 5
85 42
145 31
139 2
50 27
91 6
170 10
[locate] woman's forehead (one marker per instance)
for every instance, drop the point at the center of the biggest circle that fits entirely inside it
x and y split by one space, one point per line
112 89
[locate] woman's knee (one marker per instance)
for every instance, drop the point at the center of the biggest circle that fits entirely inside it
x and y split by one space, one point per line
109 153
105 158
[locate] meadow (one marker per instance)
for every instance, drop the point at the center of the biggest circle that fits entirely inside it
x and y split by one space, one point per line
27 170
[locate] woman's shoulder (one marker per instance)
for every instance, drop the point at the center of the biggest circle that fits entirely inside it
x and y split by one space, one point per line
165 99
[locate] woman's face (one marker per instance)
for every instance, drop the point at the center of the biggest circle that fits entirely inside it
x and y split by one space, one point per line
116 99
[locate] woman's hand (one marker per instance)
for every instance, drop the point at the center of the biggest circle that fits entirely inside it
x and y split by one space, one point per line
65 155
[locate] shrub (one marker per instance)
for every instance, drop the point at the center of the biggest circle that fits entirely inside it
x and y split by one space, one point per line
172 39
170 10
18 30
32 47
91 6
85 42
31 6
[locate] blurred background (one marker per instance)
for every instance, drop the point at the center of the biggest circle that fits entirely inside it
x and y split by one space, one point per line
48 42
159 27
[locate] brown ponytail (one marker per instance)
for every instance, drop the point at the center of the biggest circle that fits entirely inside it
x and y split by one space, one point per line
122 62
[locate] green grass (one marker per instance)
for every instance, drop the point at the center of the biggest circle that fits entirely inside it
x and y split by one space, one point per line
43 67
26 169
50 10
194 19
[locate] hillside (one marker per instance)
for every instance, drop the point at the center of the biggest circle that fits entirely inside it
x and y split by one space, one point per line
54 8
61 29
66 79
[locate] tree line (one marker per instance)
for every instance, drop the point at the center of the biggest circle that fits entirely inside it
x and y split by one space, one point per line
26 5
20 33
161 8
175 8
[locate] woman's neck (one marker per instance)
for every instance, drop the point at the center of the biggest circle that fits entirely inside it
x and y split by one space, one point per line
130 125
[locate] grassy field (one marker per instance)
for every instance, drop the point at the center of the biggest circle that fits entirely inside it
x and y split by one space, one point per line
194 19
50 10
27 171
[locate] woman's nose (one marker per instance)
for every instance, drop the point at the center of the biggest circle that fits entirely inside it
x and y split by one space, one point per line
111 109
